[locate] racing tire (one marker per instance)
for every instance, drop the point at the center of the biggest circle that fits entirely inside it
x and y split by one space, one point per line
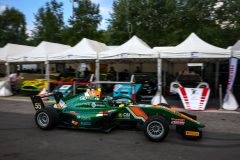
47 118
156 128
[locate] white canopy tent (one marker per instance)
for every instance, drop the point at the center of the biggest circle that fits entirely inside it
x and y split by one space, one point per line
10 50
132 49
236 46
236 49
194 48
86 49
41 52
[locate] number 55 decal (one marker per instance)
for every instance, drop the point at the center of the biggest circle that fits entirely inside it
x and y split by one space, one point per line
37 106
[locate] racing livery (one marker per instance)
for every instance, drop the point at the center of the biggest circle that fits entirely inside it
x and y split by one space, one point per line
89 111
37 85
187 81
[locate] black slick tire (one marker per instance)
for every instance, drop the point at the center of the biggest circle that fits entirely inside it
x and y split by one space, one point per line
156 128
46 118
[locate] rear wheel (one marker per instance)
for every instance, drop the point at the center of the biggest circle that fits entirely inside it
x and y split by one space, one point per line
156 128
46 118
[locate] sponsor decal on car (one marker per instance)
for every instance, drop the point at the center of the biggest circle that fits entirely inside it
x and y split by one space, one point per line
60 105
75 123
90 104
73 112
120 115
93 105
85 118
192 133
177 121
116 87
124 115
86 123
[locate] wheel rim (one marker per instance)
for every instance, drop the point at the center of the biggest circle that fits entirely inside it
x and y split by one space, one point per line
155 129
42 119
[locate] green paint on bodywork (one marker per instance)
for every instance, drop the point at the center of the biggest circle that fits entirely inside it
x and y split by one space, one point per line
91 112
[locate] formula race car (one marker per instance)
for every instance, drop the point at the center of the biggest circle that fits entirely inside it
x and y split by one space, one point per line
89 111
187 81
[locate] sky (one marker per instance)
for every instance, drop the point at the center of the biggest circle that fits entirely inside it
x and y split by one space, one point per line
30 7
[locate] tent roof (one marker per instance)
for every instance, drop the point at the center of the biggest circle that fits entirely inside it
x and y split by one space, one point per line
133 48
12 50
41 52
163 48
85 49
236 46
236 49
194 47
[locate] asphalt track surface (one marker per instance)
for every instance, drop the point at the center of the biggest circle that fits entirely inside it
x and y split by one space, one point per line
20 139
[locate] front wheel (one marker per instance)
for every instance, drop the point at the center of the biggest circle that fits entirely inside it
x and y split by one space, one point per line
156 128
46 118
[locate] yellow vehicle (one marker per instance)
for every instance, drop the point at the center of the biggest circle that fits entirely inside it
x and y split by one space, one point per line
37 85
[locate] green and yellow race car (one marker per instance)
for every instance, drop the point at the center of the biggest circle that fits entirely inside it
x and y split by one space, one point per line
89 111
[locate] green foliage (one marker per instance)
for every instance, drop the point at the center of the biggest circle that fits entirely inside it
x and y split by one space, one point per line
49 23
12 27
158 22
84 23
169 22
227 14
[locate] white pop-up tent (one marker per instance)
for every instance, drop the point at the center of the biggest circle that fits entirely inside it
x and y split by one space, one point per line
41 52
236 46
134 48
236 49
86 49
10 50
194 47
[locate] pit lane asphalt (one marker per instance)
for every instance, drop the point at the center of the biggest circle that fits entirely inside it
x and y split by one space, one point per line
21 139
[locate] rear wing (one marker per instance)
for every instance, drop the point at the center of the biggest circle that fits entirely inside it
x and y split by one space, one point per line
38 102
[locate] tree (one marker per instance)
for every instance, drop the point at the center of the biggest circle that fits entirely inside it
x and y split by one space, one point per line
84 23
49 23
12 27
169 22
227 13
148 19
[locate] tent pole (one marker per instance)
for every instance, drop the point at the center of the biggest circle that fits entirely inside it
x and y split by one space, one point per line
97 69
159 68
7 68
216 77
47 73
164 76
